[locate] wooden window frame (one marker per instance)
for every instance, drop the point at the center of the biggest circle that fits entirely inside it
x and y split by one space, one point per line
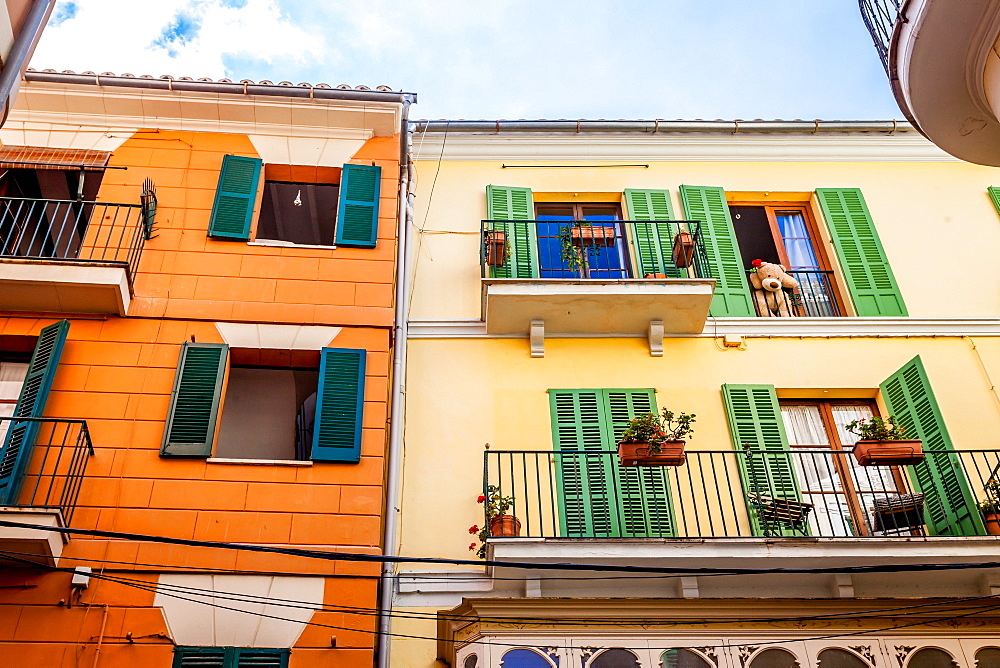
613 208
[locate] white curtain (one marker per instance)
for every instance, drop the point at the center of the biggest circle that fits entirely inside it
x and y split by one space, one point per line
795 236
804 425
12 375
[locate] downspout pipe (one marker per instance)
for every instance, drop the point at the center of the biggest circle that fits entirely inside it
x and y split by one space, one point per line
20 51
663 127
394 456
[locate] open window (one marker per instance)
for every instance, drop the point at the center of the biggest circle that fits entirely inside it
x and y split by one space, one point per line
592 247
299 204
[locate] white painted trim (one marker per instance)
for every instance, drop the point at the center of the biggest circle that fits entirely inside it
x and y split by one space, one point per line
277 243
750 328
543 148
277 337
259 462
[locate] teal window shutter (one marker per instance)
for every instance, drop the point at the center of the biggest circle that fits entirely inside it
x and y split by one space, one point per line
357 212
862 259
20 440
230 657
766 468
340 402
949 505
508 205
599 498
732 292
235 197
652 242
194 404
995 197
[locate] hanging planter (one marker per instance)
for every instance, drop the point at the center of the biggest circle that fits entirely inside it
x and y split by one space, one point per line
992 523
888 453
505 525
989 508
638 453
496 248
683 250
590 235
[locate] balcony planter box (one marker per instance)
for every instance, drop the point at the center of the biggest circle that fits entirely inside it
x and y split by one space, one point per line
655 276
496 248
637 454
592 236
504 526
683 250
888 453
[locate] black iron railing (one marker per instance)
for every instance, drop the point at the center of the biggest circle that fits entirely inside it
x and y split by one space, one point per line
880 18
815 297
59 451
77 230
582 249
814 492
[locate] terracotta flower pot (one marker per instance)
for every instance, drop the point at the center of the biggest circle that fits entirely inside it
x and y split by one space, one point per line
496 248
888 453
504 525
683 250
992 523
638 454
590 235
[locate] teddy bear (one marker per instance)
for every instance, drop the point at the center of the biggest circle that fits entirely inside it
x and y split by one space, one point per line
770 281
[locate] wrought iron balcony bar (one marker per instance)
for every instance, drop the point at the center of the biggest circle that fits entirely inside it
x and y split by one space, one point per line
802 491
77 230
815 297
592 249
880 18
60 450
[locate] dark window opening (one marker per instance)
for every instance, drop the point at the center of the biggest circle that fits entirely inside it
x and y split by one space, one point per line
299 213
754 235
268 413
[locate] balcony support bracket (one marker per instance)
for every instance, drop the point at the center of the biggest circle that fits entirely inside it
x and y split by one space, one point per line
989 584
532 587
536 334
656 338
689 587
843 586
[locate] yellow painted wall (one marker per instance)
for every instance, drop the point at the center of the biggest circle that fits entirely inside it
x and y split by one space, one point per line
935 219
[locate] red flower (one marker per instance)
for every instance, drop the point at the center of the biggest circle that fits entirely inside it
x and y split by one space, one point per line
757 263
472 546
480 499
474 529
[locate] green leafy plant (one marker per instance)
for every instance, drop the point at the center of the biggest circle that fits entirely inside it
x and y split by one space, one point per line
573 255
877 429
494 505
658 429
991 504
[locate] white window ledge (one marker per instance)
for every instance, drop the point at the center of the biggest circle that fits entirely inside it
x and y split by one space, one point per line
260 462
275 243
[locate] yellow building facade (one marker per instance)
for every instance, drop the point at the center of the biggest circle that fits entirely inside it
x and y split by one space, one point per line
570 276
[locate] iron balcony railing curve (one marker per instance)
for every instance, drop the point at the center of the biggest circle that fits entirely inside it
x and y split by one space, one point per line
880 17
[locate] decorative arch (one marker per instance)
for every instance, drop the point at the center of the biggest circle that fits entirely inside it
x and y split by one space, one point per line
987 657
774 657
684 658
931 657
614 657
524 658
838 657
471 661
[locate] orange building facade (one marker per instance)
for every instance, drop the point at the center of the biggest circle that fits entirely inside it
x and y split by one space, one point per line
196 313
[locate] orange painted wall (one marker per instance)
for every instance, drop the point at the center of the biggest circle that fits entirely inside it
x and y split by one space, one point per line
118 374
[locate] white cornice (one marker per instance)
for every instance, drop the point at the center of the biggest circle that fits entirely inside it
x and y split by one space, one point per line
752 328
541 147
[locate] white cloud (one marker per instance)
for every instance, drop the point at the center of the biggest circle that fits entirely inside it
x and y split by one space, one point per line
126 36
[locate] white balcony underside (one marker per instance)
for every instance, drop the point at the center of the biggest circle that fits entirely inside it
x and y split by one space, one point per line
32 545
618 306
63 286
949 74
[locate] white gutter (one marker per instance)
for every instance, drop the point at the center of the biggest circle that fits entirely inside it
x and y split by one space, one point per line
394 456
664 126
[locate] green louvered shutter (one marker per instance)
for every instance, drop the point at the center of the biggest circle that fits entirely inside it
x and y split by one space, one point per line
230 657
509 205
340 402
357 213
732 292
235 196
645 507
767 467
652 242
20 439
994 197
869 278
949 506
194 404
252 657
578 428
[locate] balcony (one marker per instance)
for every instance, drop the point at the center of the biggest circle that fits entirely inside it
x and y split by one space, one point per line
42 465
629 278
940 59
815 297
71 256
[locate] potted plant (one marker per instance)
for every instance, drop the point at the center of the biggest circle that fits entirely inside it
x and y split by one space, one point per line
683 250
498 522
497 252
579 240
655 440
882 443
989 508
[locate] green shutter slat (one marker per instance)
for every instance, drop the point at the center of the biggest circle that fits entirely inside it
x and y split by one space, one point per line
261 658
20 440
194 404
994 196
357 211
510 204
230 657
232 211
653 243
949 505
200 657
755 421
732 292
862 259
340 402
598 498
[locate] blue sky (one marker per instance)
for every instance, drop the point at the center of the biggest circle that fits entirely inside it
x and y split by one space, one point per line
515 59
